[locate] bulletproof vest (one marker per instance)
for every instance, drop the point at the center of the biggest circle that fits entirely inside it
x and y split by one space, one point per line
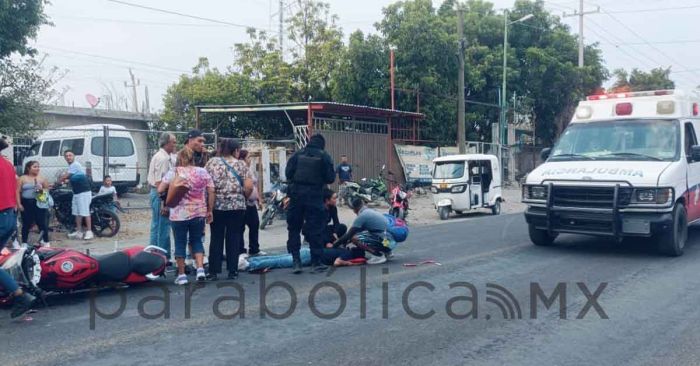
309 168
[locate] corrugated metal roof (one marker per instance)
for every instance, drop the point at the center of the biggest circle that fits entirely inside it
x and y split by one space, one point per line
336 107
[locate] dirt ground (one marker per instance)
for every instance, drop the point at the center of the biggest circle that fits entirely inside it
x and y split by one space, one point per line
135 223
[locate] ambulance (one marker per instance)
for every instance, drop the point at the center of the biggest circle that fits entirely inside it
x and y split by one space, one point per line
628 165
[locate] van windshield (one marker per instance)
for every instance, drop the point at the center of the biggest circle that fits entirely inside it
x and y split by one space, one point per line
449 170
619 140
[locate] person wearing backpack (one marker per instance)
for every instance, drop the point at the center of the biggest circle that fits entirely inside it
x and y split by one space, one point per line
369 232
233 184
308 170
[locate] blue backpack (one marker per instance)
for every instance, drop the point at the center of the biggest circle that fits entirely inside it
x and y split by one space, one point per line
396 227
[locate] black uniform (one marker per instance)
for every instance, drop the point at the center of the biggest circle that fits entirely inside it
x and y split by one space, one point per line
308 170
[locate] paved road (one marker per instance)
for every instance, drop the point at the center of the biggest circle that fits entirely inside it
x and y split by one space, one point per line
651 303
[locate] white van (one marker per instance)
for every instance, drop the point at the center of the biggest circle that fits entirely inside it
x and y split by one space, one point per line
87 142
628 165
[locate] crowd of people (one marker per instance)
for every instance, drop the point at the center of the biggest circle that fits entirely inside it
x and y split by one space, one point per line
222 191
190 189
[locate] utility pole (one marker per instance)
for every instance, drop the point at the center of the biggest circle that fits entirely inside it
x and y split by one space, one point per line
391 76
580 14
461 144
281 27
147 109
134 97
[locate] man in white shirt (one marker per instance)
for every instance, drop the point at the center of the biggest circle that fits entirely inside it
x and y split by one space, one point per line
160 164
82 196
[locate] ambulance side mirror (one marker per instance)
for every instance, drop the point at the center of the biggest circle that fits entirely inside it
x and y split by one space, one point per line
695 153
544 154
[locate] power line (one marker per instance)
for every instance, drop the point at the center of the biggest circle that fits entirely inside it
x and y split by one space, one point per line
616 44
613 17
217 21
654 10
127 21
157 67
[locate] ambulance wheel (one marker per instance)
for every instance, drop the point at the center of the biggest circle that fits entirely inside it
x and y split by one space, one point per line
540 237
444 212
496 208
672 241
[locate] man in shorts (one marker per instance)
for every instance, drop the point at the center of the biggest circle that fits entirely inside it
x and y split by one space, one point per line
82 196
369 233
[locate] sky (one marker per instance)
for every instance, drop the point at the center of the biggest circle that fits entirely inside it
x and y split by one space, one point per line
95 42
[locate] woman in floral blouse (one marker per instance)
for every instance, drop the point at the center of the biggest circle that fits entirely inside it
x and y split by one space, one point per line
193 210
232 179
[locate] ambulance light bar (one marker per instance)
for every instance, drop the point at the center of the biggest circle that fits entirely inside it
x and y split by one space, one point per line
630 95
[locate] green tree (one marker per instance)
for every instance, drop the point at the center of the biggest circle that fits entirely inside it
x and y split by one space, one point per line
638 80
20 21
22 86
361 78
318 47
23 89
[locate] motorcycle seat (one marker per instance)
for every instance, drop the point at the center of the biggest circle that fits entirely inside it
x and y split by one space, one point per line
114 266
144 263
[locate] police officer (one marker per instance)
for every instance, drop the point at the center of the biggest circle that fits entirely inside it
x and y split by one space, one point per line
308 171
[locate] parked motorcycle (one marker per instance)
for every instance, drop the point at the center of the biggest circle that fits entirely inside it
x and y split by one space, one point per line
399 201
105 221
275 204
41 271
369 190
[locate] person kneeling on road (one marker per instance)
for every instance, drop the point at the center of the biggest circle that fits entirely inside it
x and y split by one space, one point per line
369 233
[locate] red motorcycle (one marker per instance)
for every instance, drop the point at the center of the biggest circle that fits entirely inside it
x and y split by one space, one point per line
399 197
58 270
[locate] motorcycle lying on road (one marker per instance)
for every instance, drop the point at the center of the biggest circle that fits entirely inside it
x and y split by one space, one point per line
105 221
41 271
275 204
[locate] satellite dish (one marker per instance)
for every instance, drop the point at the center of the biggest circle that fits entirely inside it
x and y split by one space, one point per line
92 100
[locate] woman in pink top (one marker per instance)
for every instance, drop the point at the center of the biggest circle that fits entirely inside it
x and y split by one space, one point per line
192 212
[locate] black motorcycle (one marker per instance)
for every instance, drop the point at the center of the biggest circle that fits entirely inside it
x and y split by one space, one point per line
275 204
105 222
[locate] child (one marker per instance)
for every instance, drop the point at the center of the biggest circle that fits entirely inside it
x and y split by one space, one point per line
108 188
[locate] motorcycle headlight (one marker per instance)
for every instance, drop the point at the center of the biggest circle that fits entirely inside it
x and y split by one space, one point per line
458 189
433 189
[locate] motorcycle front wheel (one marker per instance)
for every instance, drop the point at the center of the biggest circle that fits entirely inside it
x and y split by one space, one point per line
105 223
267 216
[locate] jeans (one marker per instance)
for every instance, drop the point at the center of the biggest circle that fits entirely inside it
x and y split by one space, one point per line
227 227
252 221
306 207
34 215
188 231
8 225
7 283
160 225
278 261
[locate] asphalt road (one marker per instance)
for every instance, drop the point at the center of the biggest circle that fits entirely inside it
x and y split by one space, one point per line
646 314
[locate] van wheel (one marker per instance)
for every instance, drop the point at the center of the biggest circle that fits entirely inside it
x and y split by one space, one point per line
496 208
540 237
672 242
444 212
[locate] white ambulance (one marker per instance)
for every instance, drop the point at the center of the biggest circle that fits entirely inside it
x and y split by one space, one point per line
628 165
